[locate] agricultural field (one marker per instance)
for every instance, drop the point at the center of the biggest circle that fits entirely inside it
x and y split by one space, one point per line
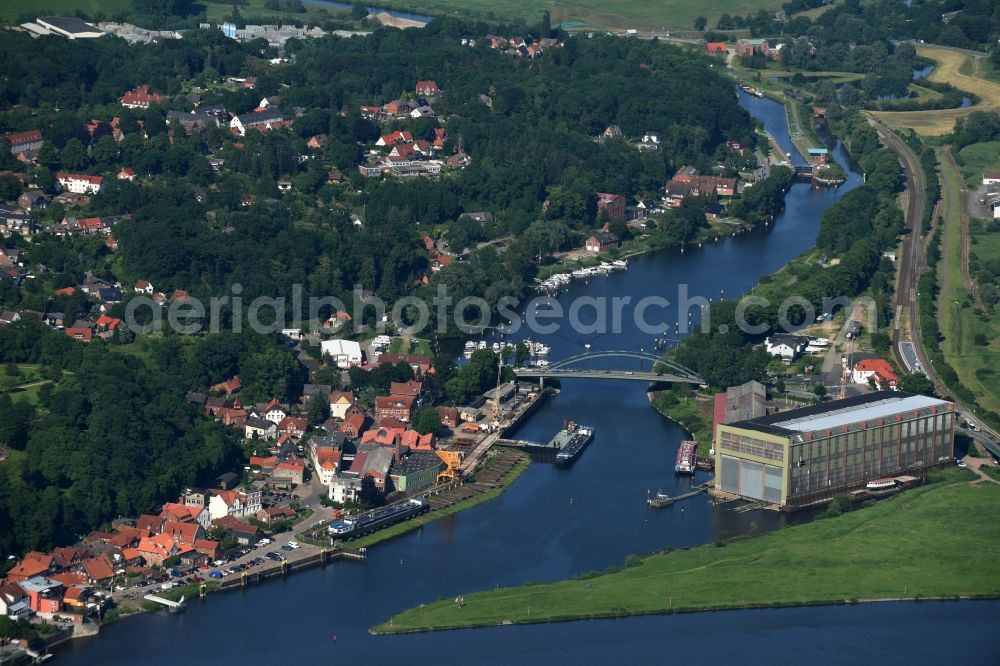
597 14
959 70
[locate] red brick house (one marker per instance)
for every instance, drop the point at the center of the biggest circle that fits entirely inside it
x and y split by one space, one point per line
140 98
716 48
427 88
612 204
602 242
394 406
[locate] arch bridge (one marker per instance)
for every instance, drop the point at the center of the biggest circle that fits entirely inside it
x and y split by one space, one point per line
660 370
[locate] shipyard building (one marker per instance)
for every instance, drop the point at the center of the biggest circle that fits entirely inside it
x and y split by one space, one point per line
806 456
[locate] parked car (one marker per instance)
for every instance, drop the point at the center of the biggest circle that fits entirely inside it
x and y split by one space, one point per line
215 574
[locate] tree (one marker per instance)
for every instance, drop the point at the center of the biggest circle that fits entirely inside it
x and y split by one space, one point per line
426 420
318 409
268 374
73 156
700 23
10 187
359 12
369 494
916 383
820 391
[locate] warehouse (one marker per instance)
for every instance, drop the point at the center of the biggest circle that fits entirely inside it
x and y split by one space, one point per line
806 456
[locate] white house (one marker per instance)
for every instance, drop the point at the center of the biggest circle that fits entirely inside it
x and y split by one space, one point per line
143 287
344 353
234 503
344 487
80 183
788 347
262 428
274 412
991 179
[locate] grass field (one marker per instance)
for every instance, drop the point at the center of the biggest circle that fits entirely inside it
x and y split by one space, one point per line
623 14
949 69
979 158
902 548
959 321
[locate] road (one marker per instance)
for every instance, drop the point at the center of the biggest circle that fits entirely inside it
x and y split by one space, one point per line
911 258
911 264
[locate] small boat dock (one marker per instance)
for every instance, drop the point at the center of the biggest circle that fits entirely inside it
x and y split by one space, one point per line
660 500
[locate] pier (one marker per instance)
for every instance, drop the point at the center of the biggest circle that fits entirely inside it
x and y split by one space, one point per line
659 501
172 606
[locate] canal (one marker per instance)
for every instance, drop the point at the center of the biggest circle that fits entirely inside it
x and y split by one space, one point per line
554 523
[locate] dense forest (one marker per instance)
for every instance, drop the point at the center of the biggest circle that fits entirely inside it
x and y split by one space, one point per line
112 434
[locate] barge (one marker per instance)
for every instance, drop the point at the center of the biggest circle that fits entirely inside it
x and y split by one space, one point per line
687 458
570 442
350 528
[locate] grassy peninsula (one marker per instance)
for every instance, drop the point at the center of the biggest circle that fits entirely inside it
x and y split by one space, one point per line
931 542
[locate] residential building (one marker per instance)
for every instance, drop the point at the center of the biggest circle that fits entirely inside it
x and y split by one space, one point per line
186 513
193 120
325 460
716 48
33 200
415 472
24 141
275 514
806 456
393 138
877 370
340 401
413 388
79 183
260 428
344 487
234 503
14 602
244 533
394 406
448 416
44 594
991 178
32 564
14 221
343 353
789 347
292 471
293 426
613 205
602 241
427 88
263 120
140 98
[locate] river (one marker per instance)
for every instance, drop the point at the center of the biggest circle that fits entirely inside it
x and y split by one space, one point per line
553 523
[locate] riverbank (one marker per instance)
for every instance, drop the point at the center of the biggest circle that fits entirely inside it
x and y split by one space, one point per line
902 548
488 491
684 412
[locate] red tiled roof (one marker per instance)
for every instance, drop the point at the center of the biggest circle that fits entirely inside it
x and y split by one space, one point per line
18 138
99 568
